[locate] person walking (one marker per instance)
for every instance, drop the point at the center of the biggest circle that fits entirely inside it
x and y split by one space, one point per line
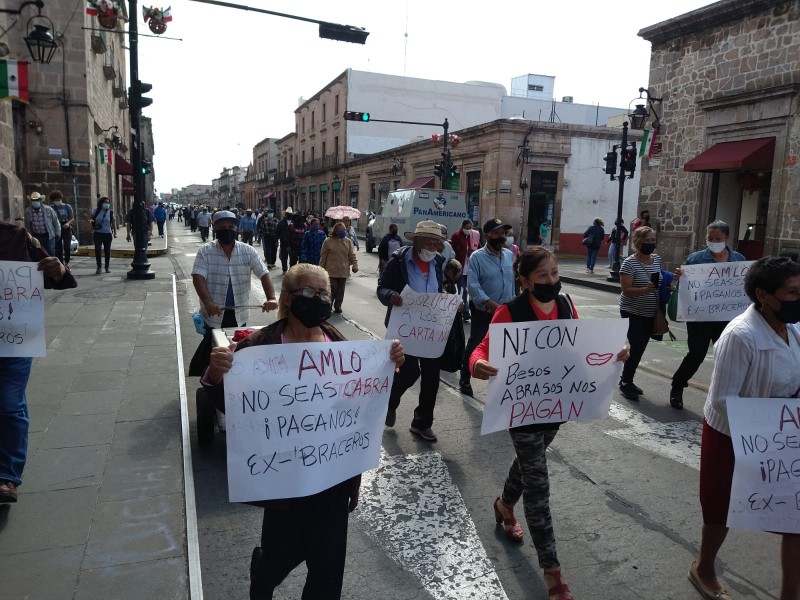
267 228
282 231
337 257
419 267
297 231
140 233
528 478
42 222
388 246
461 241
310 528
160 215
247 227
491 283
66 217
194 211
619 229
639 277
757 356
593 239
311 247
700 334
203 223
351 231
104 228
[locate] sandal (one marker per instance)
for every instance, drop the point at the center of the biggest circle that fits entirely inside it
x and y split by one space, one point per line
510 526
559 590
705 591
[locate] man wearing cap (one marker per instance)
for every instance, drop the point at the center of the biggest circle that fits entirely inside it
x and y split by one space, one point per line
221 277
282 231
491 283
420 267
42 222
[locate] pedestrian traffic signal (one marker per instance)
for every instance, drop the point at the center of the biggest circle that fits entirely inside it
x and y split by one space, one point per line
356 116
629 160
453 171
136 100
611 163
438 170
146 166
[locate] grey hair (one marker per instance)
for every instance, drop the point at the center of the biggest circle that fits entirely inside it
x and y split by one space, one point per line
721 226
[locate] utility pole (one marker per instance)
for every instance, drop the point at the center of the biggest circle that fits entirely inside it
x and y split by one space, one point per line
627 163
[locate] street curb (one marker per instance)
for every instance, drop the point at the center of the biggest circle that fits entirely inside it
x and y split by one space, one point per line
89 251
597 285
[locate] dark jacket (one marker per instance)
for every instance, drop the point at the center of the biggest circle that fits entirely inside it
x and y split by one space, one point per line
383 247
598 233
394 277
262 337
282 229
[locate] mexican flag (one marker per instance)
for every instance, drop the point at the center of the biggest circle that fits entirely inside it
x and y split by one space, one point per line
14 80
648 139
106 155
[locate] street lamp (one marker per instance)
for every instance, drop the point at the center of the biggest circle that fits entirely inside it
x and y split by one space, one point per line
41 44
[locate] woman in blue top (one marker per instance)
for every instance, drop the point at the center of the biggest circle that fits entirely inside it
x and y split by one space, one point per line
702 333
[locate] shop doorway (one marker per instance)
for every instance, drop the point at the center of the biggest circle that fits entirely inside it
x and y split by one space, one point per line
741 199
542 202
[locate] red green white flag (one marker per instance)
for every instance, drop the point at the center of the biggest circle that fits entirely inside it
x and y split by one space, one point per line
648 139
14 80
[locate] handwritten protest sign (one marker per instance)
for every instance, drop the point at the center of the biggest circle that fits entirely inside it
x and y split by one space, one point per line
303 417
423 323
552 371
765 493
713 292
21 309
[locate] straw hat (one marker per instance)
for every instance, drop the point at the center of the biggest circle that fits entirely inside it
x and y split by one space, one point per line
429 229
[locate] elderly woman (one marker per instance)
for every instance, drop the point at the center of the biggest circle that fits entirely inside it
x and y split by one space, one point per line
702 333
528 478
337 258
757 356
312 528
639 276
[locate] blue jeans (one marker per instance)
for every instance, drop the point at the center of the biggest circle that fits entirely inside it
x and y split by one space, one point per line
47 242
591 257
611 249
14 373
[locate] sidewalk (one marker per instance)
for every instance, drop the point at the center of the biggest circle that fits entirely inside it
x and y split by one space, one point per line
120 248
573 270
101 510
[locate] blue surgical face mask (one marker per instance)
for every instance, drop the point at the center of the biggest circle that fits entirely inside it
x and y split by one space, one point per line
36 204
341 233
106 205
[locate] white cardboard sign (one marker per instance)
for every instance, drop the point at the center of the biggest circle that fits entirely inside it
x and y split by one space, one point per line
21 309
552 371
423 323
301 418
712 292
765 493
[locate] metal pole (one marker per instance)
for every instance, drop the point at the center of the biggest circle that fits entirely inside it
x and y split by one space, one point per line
614 275
75 204
140 267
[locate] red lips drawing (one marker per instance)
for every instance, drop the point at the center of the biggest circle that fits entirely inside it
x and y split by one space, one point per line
596 359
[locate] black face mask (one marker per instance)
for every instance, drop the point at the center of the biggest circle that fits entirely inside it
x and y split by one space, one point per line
789 312
226 236
545 292
311 312
647 248
497 243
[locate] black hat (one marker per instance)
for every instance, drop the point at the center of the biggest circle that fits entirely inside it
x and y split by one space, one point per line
493 224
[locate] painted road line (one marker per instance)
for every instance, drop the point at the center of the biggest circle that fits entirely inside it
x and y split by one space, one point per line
679 441
411 507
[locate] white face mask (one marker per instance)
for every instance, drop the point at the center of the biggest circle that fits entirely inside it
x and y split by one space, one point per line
715 247
510 241
57 202
426 255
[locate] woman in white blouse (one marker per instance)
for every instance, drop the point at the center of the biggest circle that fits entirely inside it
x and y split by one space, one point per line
757 356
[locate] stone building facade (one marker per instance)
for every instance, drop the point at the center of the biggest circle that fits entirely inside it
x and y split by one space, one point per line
728 76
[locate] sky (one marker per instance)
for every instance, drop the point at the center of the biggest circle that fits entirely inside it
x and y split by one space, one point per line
236 77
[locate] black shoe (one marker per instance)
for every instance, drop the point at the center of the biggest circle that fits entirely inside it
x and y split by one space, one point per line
8 491
391 417
638 389
676 398
466 388
629 391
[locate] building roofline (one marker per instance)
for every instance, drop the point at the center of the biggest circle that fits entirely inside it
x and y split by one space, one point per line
325 88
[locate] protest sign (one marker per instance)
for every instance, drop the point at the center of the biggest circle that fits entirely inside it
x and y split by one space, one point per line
552 371
21 309
712 292
765 493
423 323
301 418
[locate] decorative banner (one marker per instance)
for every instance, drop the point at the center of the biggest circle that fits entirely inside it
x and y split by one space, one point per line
552 371
712 292
21 309
301 418
423 323
765 493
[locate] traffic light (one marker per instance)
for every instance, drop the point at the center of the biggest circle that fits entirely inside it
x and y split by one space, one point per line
356 116
611 163
343 33
146 166
629 160
438 170
135 94
453 171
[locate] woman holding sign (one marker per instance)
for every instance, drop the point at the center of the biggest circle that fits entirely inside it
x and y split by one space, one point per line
312 528
702 333
757 356
540 300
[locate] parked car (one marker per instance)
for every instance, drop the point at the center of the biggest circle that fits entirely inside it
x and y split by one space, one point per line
73 246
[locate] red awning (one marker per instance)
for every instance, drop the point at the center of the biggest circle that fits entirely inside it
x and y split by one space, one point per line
123 167
268 195
744 155
421 182
127 187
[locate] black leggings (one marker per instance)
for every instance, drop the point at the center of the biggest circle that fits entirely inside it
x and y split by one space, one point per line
639 331
104 240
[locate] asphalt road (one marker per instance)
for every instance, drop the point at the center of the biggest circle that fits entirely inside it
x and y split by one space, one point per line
623 490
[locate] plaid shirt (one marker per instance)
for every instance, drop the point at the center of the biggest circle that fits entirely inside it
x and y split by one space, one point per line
37 222
266 226
213 265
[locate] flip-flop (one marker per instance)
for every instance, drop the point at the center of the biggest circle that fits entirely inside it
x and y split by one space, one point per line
705 591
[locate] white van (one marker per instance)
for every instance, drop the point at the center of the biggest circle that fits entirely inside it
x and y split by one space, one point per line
406 208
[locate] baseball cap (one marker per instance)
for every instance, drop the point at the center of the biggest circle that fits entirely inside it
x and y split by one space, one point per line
493 224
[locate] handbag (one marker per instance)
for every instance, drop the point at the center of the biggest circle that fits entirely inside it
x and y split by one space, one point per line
588 240
661 327
453 356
